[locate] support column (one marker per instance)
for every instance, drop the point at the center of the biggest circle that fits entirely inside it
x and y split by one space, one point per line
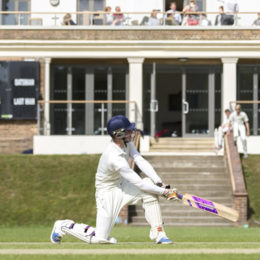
136 91
47 125
89 107
229 83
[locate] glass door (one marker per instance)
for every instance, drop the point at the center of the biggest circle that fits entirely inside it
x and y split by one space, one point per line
198 102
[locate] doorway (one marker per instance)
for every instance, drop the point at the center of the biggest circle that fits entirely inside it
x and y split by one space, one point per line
180 4
184 100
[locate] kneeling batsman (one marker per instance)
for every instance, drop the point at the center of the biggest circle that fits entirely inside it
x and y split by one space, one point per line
118 185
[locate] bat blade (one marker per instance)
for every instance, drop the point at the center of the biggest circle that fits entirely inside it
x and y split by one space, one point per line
209 206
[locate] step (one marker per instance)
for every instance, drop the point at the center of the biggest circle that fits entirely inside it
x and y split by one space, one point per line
185 219
182 182
184 145
179 206
187 224
181 148
173 212
186 164
181 140
189 170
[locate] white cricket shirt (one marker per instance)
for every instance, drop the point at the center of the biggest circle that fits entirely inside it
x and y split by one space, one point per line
113 166
110 162
239 119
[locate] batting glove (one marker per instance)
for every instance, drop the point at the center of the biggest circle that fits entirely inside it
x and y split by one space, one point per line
171 194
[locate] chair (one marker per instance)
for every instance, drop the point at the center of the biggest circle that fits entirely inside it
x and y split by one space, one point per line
169 21
134 22
98 19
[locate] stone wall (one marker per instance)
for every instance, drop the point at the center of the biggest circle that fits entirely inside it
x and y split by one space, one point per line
130 34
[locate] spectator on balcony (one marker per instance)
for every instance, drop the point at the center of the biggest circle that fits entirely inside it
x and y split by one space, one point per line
173 14
153 20
193 18
220 17
118 17
108 16
257 21
231 7
67 20
204 21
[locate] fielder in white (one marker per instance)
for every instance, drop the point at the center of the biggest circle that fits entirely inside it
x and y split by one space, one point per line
222 130
239 121
118 185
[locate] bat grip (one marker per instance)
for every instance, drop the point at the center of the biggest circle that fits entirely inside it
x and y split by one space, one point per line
179 196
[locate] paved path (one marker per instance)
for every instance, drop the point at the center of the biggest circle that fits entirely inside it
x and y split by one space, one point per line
125 251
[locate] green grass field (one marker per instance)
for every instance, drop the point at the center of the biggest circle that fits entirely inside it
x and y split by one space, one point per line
36 190
132 240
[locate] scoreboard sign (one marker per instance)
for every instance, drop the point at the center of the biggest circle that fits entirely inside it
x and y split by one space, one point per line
19 89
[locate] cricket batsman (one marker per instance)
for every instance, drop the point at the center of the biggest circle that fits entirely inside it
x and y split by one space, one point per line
118 185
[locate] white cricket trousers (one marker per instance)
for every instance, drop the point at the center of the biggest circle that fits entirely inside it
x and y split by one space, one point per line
109 204
219 135
240 130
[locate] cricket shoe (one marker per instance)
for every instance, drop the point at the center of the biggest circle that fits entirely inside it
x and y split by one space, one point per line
163 239
57 233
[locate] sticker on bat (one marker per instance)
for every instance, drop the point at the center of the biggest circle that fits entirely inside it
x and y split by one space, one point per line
205 204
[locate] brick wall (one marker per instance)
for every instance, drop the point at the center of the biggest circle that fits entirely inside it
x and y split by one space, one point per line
237 178
17 135
130 34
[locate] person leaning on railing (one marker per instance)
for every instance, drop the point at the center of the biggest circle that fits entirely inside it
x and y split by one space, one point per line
173 14
118 17
257 21
108 16
193 18
67 20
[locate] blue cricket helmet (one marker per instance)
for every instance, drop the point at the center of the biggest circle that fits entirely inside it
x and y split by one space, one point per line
117 126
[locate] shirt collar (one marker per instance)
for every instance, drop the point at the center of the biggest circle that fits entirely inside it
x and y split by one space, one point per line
120 150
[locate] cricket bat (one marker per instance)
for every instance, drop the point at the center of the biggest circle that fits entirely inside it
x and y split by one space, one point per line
209 206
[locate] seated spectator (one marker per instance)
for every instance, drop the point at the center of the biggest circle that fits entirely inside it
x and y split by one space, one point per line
230 7
118 17
204 21
193 18
145 20
108 16
153 20
67 20
173 14
257 21
220 17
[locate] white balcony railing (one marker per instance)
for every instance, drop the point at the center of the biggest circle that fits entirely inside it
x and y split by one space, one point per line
99 18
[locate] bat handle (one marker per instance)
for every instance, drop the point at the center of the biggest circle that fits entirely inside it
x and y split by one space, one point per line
179 196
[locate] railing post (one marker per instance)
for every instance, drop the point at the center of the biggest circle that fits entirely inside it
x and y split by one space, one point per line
47 126
102 118
39 118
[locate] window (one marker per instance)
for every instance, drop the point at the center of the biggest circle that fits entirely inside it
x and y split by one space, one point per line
248 90
16 5
89 5
86 82
182 3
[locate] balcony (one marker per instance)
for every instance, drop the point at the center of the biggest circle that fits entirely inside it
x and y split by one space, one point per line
135 26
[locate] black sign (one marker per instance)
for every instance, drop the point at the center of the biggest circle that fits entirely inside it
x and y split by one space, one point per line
19 89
